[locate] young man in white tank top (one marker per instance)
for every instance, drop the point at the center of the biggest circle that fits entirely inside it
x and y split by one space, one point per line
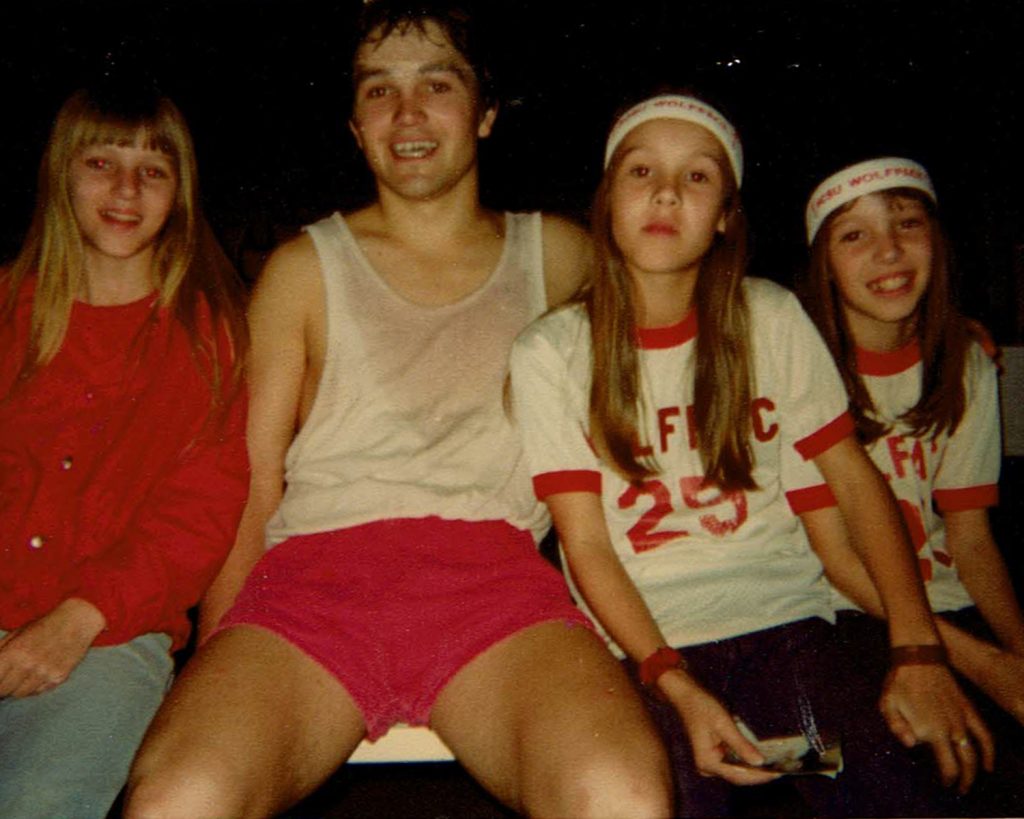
403 583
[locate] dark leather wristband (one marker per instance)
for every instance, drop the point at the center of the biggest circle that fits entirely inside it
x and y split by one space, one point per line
926 654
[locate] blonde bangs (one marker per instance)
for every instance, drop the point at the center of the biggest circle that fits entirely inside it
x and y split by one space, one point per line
82 123
53 250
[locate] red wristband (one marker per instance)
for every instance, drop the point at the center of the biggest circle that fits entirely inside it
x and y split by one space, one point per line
927 654
662 660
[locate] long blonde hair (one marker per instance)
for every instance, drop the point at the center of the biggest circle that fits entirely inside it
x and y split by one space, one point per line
723 376
189 264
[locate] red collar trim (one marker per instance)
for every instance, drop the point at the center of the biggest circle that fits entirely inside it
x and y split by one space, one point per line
870 362
675 335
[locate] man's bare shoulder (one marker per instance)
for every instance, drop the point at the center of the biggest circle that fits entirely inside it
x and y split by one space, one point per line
291 278
297 256
366 222
568 257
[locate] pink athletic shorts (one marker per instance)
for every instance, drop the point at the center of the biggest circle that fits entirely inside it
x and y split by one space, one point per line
393 609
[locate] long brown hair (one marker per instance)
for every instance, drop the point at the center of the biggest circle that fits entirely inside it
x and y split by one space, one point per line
189 264
723 377
941 332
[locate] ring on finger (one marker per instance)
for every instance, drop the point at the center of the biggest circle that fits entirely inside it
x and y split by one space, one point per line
961 742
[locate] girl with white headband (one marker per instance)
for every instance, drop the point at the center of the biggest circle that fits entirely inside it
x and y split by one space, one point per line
923 392
657 413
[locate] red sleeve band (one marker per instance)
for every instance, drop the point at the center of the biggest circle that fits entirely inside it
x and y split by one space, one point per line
662 660
574 480
810 498
826 437
971 497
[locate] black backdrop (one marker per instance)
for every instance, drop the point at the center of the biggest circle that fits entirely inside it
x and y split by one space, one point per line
263 85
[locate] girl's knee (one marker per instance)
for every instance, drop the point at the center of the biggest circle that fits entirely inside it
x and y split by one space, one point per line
611 778
184 791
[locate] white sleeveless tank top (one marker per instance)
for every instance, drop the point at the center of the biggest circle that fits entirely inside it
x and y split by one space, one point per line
408 419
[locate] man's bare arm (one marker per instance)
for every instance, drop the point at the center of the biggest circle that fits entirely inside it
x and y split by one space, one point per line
282 309
568 258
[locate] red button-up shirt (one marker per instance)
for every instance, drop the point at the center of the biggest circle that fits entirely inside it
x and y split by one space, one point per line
118 483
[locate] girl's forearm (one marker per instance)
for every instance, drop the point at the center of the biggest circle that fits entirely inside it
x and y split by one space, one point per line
614 599
878 534
967 653
830 541
983 572
600 577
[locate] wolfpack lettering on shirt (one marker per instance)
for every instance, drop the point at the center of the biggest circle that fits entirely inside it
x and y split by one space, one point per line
908 453
720 512
670 425
934 475
902 459
711 563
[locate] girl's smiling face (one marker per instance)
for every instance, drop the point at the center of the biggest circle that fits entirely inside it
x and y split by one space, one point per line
880 257
121 196
667 196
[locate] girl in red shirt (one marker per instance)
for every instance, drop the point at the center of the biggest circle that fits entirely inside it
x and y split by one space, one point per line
122 458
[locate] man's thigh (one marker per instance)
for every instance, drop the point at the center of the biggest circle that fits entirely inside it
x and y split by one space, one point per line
535 708
251 723
66 752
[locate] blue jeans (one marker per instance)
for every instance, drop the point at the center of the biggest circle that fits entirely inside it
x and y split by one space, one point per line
65 754
779 681
883 778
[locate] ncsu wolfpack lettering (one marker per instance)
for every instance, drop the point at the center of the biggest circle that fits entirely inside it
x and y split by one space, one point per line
863 178
827 195
887 173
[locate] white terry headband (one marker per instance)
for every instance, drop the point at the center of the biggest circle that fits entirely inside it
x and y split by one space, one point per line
865 177
688 109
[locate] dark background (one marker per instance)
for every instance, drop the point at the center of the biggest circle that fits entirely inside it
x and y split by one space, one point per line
810 86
